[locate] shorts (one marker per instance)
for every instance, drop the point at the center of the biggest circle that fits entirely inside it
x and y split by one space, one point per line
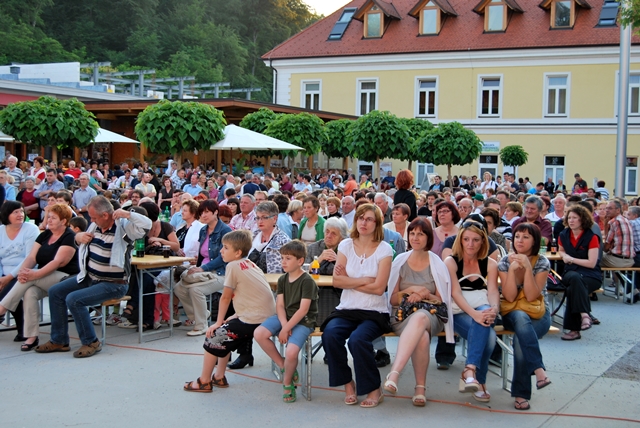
299 333
229 337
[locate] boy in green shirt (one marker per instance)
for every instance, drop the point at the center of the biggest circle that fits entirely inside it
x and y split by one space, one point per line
295 319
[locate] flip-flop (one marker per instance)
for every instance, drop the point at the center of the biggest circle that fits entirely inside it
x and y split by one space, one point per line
522 405
542 383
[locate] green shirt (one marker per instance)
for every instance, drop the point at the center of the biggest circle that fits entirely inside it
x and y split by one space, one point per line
302 288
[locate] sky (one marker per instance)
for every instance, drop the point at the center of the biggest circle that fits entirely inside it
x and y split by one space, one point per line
326 7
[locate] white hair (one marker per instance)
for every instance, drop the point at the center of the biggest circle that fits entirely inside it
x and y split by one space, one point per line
339 224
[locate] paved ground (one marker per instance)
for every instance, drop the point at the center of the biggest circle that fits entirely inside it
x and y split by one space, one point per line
595 384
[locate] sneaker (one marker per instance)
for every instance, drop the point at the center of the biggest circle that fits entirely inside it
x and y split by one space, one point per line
97 320
127 324
114 319
176 323
157 325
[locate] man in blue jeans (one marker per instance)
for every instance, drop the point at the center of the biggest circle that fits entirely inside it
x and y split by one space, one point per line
104 256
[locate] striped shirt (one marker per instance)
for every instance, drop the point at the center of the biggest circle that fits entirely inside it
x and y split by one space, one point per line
620 237
17 175
635 225
98 262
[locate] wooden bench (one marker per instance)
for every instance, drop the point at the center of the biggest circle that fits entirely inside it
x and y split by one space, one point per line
307 352
104 306
629 281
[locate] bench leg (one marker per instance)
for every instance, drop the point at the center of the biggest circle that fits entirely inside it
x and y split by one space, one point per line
305 368
104 324
274 368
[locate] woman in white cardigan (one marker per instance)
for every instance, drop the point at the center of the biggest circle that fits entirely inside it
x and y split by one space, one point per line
422 275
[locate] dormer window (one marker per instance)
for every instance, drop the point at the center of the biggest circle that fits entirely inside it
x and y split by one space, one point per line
496 13
563 12
431 15
376 16
373 23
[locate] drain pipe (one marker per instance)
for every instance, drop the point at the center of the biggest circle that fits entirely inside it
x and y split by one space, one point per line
275 81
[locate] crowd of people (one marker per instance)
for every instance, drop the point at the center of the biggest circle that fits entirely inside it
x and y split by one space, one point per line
455 257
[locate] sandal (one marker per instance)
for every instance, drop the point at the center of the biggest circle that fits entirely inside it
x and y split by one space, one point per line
289 395
52 347
521 405
482 396
351 399
202 387
419 400
469 383
295 378
542 383
572 335
29 346
368 403
390 386
220 383
89 350
586 322
595 320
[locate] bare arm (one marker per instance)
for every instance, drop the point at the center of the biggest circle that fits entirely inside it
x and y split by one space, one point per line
63 256
379 285
305 304
340 278
589 263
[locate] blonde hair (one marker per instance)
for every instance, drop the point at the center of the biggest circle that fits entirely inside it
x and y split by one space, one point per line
475 227
378 234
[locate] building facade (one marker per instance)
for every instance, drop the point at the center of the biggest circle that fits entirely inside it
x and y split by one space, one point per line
540 75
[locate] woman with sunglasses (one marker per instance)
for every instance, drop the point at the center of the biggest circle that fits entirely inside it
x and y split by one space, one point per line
474 289
362 271
525 270
421 275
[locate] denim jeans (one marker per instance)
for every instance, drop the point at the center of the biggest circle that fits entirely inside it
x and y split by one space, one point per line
18 312
360 335
77 297
527 357
480 342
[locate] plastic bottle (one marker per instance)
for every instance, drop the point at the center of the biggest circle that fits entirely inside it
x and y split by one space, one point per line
139 247
393 247
167 214
315 268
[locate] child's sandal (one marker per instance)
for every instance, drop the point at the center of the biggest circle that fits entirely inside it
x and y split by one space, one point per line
202 387
289 395
295 378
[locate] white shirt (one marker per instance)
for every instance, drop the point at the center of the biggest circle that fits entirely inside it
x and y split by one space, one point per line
349 218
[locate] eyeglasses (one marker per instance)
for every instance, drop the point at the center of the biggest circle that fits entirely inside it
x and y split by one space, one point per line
470 223
367 219
264 218
444 212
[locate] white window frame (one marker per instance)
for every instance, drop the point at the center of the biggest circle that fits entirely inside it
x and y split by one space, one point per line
545 112
417 97
564 171
428 168
304 92
636 85
627 169
482 167
481 79
359 92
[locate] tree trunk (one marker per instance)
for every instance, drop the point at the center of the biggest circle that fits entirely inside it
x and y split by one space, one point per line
449 176
410 165
345 164
377 173
328 162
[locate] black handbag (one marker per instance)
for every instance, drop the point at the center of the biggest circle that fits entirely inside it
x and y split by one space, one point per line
405 309
259 258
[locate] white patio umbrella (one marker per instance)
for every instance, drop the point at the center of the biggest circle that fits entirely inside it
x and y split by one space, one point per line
105 136
4 138
236 137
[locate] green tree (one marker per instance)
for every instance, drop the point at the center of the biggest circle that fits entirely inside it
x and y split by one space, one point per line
258 122
339 140
381 134
417 129
48 121
514 156
630 13
174 127
303 129
449 144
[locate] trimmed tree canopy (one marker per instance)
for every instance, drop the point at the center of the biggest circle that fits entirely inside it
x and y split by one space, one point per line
303 129
49 121
339 139
381 134
449 144
259 120
173 127
513 156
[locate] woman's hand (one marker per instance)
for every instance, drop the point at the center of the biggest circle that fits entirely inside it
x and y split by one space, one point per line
4 281
181 253
567 259
328 255
519 261
212 329
26 275
194 270
485 317
156 242
414 298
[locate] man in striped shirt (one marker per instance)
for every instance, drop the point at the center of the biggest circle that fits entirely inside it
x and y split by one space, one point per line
15 172
618 242
104 255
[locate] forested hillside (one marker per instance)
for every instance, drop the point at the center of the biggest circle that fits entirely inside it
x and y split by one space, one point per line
215 40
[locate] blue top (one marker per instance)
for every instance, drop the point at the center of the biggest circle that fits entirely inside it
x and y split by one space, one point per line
284 224
216 264
9 192
44 186
192 190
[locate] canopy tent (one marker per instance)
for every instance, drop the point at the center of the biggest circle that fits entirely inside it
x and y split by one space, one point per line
4 138
236 137
105 136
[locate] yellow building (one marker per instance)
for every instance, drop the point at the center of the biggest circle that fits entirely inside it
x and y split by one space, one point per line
540 75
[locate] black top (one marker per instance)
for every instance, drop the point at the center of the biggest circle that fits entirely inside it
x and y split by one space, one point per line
165 195
404 196
580 251
47 252
425 211
477 283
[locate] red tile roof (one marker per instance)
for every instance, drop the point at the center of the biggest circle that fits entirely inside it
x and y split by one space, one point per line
530 29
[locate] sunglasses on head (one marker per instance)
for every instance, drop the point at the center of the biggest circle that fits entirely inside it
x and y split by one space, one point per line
469 223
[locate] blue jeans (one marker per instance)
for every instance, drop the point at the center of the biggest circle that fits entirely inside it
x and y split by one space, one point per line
480 342
77 297
360 335
527 357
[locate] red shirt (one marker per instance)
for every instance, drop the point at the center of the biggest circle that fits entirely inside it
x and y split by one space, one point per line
74 172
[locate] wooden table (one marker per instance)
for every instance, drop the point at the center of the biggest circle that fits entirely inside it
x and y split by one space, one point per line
144 265
323 281
553 257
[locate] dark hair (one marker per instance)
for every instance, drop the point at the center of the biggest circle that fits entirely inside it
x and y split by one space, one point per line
209 205
495 216
425 226
586 219
282 202
601 183
64 194
314 201
7 208
40 160
403 208
235 202
153 212
79 222
532 230
447 204
295 248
